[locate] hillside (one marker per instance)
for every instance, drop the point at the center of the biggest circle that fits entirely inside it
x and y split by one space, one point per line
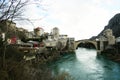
114 24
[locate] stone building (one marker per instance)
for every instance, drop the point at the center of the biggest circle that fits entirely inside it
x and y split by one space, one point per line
110 37
7 25
38 31
106 40
71 44
63 36
55 33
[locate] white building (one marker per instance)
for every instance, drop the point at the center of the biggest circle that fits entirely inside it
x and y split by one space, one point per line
110 37
55 33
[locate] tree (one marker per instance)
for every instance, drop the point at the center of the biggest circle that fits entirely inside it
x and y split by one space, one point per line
11 9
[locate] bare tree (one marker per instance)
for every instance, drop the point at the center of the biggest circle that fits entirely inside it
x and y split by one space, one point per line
14 9
11 9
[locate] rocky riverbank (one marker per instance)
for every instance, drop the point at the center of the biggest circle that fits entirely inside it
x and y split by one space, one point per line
112 53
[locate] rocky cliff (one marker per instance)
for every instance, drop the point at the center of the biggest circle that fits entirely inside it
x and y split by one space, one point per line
114 24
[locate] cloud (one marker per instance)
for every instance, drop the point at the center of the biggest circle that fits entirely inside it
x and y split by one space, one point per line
33 13
78 18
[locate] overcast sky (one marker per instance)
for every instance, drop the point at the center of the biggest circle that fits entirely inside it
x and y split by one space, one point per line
81 19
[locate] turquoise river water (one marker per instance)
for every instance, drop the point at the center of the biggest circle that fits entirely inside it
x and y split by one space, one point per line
86 65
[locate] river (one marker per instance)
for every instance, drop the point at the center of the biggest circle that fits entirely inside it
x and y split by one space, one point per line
86 65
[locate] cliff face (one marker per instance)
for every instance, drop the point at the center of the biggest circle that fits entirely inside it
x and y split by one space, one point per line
113 24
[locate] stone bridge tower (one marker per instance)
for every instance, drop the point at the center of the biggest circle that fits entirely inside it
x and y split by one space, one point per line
107 39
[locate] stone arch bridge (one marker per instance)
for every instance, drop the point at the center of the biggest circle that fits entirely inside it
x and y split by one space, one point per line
93 42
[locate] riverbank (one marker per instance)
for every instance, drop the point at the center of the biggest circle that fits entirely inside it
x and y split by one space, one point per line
13 66
112 53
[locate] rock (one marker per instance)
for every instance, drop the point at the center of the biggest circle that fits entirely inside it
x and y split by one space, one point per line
114 25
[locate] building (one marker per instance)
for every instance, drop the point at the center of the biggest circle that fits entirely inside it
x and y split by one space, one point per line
38 31
110 37
71 44
55 33
7 25
106 40
30 34
63 36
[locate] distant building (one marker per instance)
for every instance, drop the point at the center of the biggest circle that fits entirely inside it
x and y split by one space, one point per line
106 40
7 25
21 29
118 40
38 31
55 33
71 43
29 34
50 37
22 33
63 36
110 37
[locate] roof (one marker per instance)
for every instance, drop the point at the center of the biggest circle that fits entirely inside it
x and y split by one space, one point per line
38 28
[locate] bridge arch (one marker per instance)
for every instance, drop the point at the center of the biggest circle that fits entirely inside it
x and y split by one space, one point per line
87 43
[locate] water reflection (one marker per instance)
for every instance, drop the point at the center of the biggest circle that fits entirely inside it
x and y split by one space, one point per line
86 65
